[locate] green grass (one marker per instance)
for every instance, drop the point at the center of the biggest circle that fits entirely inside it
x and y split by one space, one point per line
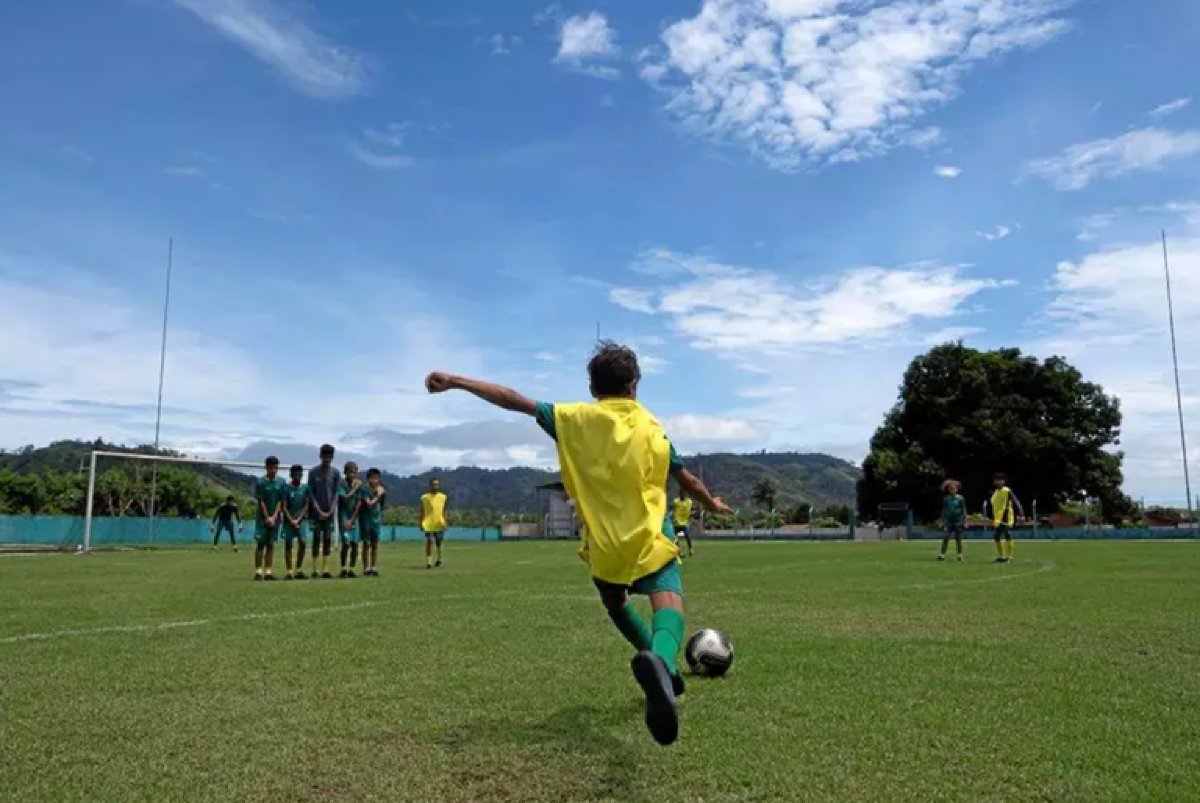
864 671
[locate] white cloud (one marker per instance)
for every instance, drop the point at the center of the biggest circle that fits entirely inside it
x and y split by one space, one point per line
502 45
1143 149
947 171
997 233
586 43
812 81
737 309
307 60
1177 105
631 299
381 148
699 433
546 356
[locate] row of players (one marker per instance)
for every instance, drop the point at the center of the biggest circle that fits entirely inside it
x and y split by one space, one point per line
330 502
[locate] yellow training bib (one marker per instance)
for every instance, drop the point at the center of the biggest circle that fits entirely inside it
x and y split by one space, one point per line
683 512
614 457
433 512
1002 507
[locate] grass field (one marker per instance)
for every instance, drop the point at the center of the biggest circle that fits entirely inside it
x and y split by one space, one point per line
864 672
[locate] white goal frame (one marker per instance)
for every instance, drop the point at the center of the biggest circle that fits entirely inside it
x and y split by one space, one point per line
154 458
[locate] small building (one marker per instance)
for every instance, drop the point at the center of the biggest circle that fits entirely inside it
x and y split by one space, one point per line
557 512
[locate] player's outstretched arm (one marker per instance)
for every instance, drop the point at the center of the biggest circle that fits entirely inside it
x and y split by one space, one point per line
498 395
694 487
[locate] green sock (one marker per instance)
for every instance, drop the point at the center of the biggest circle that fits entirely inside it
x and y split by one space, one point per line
668 635
632 626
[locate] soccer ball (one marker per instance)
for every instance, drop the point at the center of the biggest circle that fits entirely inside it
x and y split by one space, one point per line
709 653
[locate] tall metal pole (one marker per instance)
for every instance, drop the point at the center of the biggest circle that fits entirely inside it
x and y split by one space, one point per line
1187 480
162 368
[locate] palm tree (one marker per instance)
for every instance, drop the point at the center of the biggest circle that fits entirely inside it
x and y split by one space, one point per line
764 493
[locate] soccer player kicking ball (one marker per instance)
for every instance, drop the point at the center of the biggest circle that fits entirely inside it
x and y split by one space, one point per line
954 517
681 516
295 511
615 460
371 522
224 520
323 483
1005 510
349 497
433 522
268 495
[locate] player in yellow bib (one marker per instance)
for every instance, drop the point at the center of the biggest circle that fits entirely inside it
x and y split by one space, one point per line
615 460
1005 510
433 522
681 516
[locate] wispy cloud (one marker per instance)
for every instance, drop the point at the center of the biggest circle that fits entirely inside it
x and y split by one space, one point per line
731 308
78 153
812 81
306 59
184 171
502 45
1140 150
1167 109
588 44
381 148
997 233
947 171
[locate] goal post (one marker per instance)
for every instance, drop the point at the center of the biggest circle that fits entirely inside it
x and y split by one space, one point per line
97 455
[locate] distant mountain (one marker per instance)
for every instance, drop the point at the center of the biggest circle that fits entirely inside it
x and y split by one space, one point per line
813 478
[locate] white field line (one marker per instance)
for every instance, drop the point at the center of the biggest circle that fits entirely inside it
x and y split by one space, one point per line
1044 566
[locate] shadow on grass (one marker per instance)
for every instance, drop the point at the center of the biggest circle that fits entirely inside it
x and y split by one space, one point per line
572 746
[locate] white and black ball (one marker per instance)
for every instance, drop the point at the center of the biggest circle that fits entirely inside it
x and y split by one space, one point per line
709 653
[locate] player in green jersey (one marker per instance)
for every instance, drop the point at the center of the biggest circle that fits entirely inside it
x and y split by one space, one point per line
954 517
349 502
295 511
268 497
371 521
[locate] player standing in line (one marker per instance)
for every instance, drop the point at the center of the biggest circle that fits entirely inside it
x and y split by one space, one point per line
371 522
681 517
349 498
224 520
268 496
433 521
954 517
295 511
1005 511
616 460
324 481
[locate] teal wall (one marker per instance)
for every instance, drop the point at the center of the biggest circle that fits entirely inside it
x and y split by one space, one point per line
68 531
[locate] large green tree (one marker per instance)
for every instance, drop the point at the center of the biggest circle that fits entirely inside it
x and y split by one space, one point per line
968 414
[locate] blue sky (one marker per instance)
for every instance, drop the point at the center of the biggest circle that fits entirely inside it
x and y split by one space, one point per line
777 202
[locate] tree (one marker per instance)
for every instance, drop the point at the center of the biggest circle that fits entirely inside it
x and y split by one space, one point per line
801 513
967 414
764 493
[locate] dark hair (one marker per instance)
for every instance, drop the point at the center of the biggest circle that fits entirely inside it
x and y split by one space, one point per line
296 469
229 499
998 477
350 466
612 370
372 472
326 449
272 461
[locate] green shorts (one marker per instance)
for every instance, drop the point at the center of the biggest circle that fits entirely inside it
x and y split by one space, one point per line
290 534
370 534
349 534
665 579
265 535
1004 531
322 528
437 536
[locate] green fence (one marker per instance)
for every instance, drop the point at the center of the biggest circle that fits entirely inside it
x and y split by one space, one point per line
67 532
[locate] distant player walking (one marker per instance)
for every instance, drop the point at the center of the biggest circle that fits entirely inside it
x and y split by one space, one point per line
681 517
433 522
954 517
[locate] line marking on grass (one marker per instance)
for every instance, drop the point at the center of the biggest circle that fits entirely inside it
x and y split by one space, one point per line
1046 565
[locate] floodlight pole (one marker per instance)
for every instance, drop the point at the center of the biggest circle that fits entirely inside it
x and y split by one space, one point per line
1187 480
162 368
